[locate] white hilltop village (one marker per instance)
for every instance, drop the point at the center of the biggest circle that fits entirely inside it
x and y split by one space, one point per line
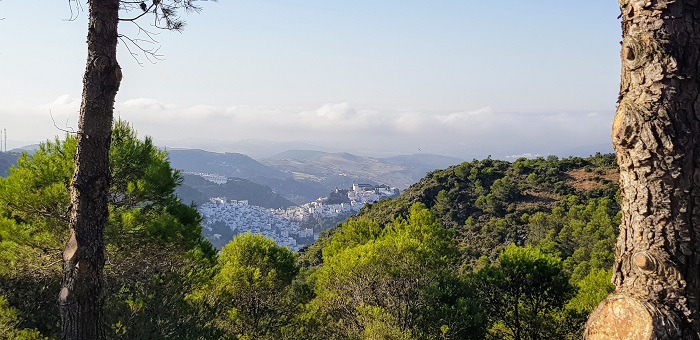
285 226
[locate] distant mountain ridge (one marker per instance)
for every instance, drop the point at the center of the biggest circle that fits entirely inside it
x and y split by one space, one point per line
198 190
302 176
255 148
226 164
342 169
235 165
311 155
7 160
297 176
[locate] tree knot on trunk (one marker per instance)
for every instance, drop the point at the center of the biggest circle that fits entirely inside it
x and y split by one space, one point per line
71 249
118 75
83 266
96 25
633 54
623 133
100 63
644 261
64 297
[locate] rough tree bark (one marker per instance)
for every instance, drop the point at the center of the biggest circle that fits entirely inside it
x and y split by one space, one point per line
656 135
80 298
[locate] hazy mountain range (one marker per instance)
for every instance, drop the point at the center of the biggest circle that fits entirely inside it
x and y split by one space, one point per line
198 190
7 159
342 169
286 178
262 149
301 176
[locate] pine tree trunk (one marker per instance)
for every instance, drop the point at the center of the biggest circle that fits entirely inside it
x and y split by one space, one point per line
81 298
656 134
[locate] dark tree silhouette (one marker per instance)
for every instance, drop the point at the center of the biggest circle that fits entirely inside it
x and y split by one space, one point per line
81 297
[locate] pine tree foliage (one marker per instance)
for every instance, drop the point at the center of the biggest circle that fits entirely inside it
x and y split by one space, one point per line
564 210
154 246
485 249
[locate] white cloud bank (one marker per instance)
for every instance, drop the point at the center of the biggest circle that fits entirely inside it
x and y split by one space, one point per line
465 133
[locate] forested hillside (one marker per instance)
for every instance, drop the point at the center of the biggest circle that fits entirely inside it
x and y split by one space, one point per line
486 249
507 221
154 247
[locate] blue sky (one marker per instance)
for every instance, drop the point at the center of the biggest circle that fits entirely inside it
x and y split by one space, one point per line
464 78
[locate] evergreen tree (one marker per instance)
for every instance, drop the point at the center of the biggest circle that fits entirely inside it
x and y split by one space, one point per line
251 295
81 295
154 246
402 279
522 293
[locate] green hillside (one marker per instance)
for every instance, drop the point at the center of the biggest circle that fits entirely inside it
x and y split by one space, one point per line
493 194
483 250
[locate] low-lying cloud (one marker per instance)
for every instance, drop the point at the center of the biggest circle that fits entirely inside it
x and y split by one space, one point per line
342 126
